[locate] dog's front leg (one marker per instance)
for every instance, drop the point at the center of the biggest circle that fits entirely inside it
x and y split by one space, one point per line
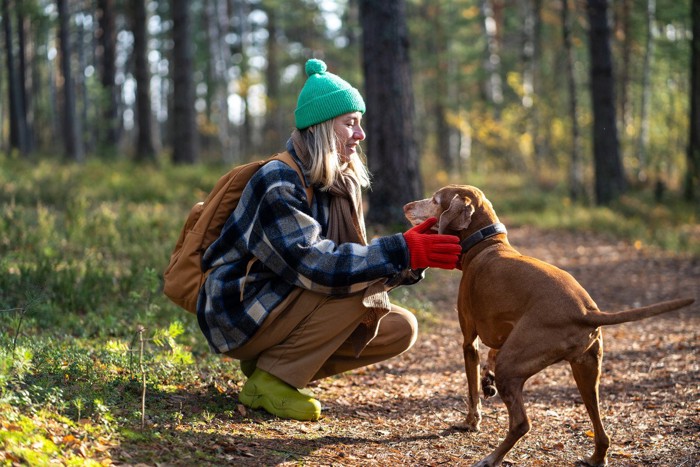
471 367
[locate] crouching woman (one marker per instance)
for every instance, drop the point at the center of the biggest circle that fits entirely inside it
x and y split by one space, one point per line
296 292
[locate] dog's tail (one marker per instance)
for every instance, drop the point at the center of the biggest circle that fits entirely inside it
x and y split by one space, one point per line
602 318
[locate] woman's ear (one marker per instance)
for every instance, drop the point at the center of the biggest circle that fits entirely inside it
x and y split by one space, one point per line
457 217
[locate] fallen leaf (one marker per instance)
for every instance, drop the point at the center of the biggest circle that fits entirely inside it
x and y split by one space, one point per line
70 439
624 454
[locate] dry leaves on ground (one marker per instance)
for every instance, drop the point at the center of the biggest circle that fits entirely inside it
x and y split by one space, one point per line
407 411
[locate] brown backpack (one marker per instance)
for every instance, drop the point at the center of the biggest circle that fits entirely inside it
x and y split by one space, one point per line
184 275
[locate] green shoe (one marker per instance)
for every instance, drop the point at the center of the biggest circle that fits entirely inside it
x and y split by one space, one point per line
248 367
263 390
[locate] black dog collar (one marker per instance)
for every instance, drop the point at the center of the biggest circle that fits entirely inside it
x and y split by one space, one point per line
483 234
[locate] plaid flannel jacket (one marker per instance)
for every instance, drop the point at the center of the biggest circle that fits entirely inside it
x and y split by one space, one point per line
274 223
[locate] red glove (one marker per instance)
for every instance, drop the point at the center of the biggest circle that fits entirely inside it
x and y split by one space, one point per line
431 249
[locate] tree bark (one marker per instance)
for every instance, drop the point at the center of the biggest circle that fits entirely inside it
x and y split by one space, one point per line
576 188
24 77
107 40
623 28
692 179
217 21
184 129
440 90
71 124
145 150
391 148
89 127
539 105
492 65
18 123
245 139
529 13
643 143
609 174
273 128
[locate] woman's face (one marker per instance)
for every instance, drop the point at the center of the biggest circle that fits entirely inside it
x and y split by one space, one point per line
349 133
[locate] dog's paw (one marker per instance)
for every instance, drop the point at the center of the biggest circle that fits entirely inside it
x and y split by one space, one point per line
467 427
590 462
488 384
473 422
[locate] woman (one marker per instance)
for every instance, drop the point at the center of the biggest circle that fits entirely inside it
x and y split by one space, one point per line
295 291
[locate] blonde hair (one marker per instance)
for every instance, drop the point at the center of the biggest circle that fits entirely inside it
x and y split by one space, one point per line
324 162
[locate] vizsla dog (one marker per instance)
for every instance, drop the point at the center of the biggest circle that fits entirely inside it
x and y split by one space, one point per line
530 313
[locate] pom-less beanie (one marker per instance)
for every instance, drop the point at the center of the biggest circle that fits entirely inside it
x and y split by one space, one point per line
324 96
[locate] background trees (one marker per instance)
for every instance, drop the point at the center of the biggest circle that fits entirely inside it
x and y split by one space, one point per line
493 84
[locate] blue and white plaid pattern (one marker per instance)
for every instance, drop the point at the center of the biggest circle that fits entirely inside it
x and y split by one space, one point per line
274 223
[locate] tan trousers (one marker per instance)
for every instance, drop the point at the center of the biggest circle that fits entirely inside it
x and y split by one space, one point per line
306 337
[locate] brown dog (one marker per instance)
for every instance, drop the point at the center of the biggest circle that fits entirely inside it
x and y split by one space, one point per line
531 312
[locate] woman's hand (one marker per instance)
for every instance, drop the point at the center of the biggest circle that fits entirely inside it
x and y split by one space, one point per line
430 249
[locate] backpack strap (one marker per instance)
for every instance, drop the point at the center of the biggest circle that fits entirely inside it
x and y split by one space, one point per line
287 158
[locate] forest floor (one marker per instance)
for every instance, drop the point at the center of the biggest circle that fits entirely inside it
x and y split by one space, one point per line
407 411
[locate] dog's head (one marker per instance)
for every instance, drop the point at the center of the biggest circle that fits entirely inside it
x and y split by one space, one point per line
457 207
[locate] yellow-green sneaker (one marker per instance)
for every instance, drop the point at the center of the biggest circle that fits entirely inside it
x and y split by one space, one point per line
266 391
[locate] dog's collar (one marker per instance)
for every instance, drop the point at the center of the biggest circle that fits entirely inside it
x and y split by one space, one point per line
483 234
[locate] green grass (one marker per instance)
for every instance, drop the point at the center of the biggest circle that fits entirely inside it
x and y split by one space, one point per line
85 331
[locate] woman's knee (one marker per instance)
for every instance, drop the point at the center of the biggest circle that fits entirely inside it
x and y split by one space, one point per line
404 327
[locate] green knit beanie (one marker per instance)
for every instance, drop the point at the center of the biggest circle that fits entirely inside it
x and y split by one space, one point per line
324 96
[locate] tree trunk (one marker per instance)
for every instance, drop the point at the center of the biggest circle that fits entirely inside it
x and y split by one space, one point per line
107 40
272 131
89 127
623 25
528 14
643 143
391 148
494 84
440 89
27 120
184 129
145 150
71 124
245 139
692 179
576 188
224 23
18 126
539 129
609 173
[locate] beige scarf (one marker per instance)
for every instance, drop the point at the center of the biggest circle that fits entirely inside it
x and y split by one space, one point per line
346 224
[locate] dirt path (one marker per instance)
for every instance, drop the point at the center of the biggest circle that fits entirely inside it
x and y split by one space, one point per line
404 411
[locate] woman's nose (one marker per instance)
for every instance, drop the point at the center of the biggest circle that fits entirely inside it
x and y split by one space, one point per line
359 134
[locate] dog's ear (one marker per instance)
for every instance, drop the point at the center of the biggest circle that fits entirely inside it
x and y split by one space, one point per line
457 217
